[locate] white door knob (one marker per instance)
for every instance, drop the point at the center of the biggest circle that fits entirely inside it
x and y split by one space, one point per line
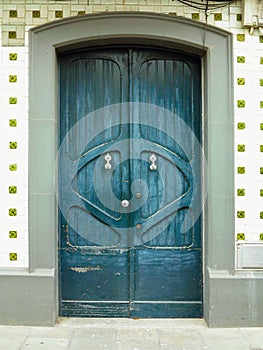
125 203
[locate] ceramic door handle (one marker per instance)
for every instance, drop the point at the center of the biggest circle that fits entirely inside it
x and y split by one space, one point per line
153 160
107 159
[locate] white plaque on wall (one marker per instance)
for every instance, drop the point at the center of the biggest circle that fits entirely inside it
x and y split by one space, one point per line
250 256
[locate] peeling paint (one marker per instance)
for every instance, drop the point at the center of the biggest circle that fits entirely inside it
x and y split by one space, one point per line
85 269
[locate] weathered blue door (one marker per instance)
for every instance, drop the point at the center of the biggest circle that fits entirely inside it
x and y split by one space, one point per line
130 183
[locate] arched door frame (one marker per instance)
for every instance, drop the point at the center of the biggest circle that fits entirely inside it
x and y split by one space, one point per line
214 47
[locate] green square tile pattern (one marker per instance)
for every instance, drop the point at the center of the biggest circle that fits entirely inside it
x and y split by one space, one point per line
12 122
195 16
261 39
218 16
261 148
241 103
12 100
261 193
241 170
13 256
241 214
261 215
261 126
12 234
241 125
12 78
12 34
13 167
261 236
36 14
12 212
13 13
58 14
241 59
241 81
13 56
12 189
241 237
261 82
261 60
261 104
241 37
261 170
13 145
241 148
241 192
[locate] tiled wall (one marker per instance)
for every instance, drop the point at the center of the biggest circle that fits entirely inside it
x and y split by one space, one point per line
249 135
18 16
13 157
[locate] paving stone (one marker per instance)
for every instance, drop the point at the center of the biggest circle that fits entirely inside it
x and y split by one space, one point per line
51 332
12 338
133 344
254 336
129 323
37 343
11 344
218 339
145 334
124 334
102 339
181 339
13 331
171 347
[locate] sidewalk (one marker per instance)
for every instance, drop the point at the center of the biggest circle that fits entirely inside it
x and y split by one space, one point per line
128 334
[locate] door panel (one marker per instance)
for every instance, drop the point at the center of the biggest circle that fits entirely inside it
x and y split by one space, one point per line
167 267
173 237
90 84
102 271
89 271
96 278
170 277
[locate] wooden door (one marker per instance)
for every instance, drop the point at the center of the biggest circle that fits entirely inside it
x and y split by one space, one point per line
127 184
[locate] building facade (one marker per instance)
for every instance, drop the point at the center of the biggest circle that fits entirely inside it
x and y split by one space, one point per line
41 42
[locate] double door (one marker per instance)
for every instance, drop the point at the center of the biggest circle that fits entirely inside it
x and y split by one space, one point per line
130 183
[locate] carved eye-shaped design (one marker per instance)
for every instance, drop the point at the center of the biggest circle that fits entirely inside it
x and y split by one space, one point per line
111 191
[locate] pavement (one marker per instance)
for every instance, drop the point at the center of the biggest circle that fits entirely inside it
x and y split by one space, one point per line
130 334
